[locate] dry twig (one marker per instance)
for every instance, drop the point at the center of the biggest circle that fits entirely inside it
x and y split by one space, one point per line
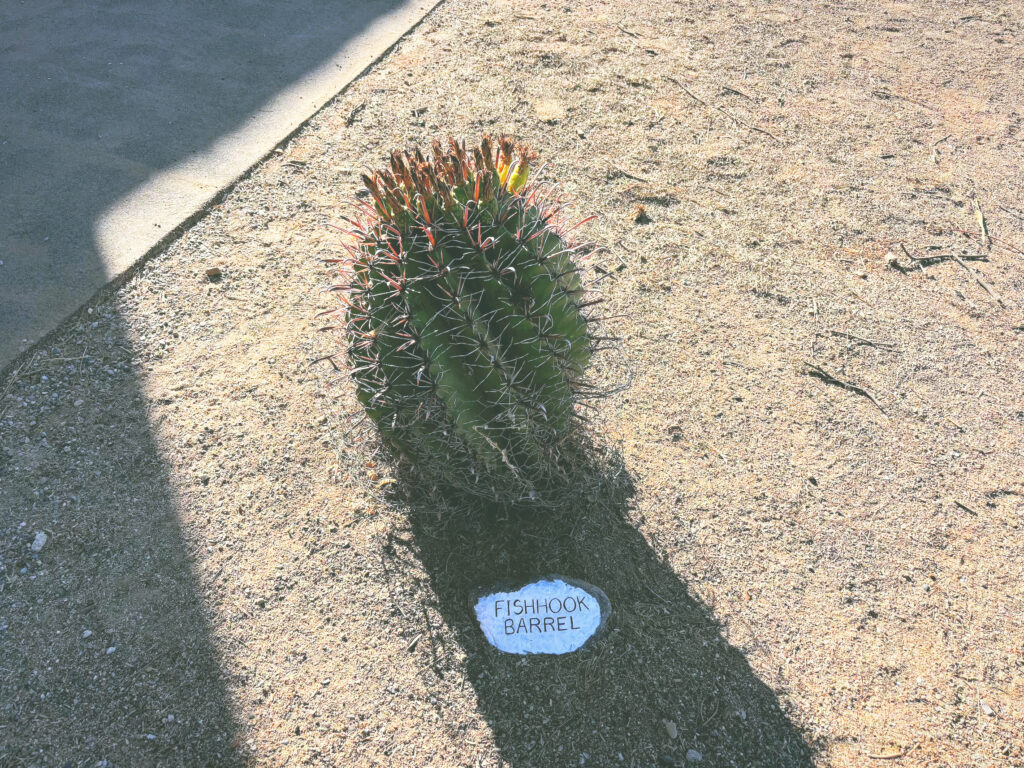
965 507
871 342
732 117
828 378
938 256
977 277
935 147
999 243
748 126
350 120
628 175
686 90
1015 214
892 756
737 92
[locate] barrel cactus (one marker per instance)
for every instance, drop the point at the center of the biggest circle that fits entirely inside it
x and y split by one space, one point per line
466 320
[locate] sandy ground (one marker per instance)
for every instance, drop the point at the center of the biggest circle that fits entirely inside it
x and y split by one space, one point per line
802 572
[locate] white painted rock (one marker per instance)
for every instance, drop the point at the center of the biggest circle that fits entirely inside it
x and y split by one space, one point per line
553 615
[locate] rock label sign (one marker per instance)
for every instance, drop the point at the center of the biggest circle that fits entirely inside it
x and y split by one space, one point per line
553 615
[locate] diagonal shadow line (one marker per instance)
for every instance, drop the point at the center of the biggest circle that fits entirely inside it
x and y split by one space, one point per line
663 658
107 652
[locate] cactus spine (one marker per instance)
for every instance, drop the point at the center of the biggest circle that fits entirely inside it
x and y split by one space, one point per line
465 317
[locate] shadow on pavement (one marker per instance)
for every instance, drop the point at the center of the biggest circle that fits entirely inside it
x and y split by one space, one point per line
105 646
97 97
105 649
663 657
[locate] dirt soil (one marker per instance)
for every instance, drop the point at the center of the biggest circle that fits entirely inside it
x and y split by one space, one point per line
808 520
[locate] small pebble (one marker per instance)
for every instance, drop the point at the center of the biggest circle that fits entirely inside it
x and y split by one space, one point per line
111 649
87 633
693 756
987 709
39 541
671 729
667 760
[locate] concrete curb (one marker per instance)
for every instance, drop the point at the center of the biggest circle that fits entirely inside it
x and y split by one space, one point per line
199 209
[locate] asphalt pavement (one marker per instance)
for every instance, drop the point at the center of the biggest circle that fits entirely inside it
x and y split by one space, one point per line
121 120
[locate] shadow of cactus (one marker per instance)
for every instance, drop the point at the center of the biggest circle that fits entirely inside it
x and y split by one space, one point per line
663 658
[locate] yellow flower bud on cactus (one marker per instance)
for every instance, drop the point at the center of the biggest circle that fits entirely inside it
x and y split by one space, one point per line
465 315
517 179
501 165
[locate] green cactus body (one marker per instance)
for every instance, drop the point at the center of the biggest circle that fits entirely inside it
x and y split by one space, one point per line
467 334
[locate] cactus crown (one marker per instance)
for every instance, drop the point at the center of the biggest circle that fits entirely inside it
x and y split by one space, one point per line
465 319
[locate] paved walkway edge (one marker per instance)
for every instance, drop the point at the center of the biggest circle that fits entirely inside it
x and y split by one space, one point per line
185 220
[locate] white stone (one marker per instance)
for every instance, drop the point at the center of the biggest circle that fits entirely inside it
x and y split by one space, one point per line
39 541
549 616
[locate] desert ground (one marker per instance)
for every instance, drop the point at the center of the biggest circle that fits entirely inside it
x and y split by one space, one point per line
807 509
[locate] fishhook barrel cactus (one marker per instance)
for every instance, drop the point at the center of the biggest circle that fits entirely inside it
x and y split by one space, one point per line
465 317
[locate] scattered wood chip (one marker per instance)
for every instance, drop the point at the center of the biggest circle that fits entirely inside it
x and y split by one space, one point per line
982 225
995 241
213 274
